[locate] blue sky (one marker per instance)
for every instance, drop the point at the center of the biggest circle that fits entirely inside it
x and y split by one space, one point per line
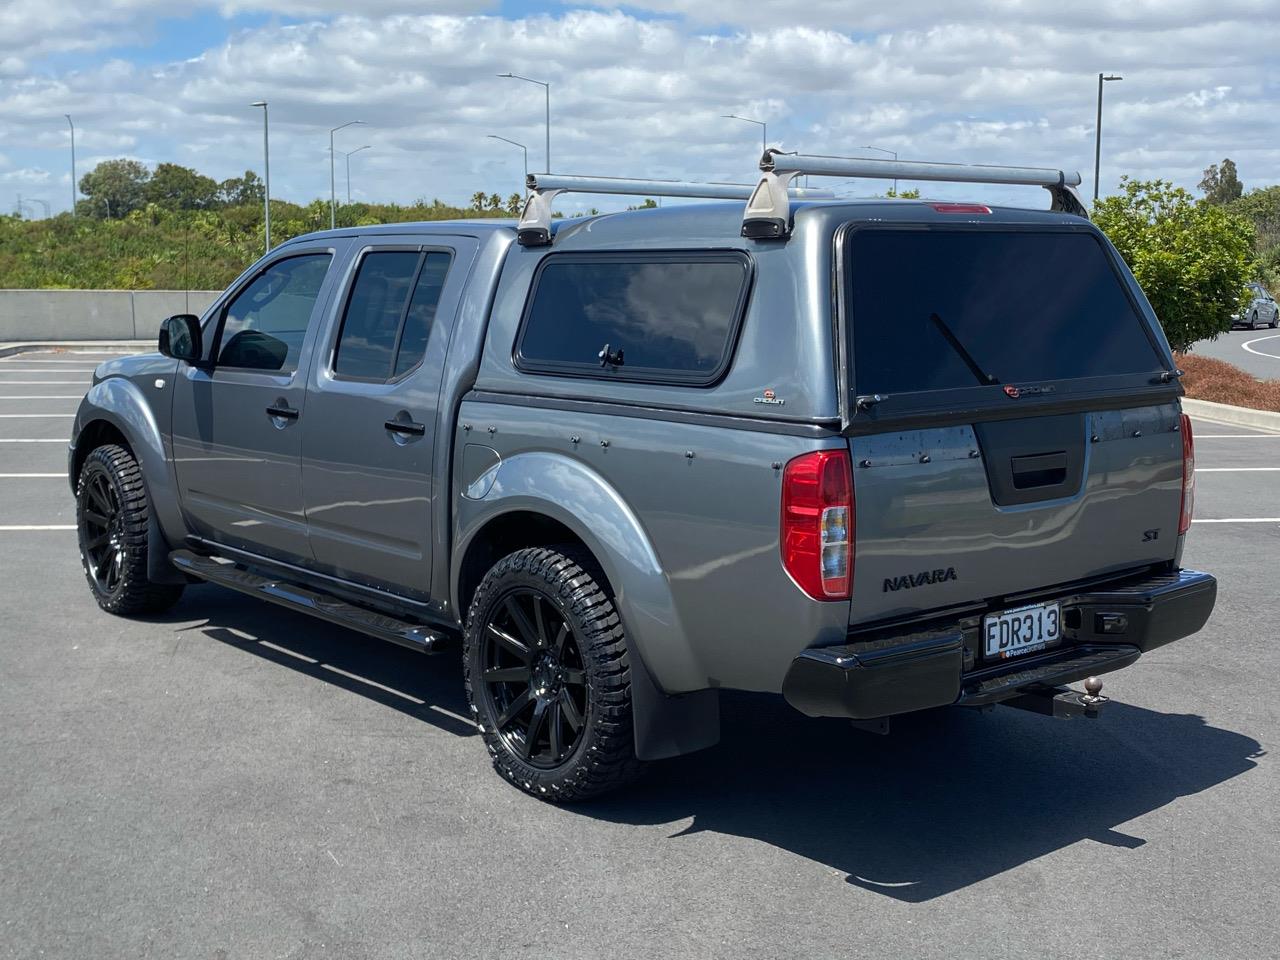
638 89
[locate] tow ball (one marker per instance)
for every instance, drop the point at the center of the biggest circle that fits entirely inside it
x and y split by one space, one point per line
1062 702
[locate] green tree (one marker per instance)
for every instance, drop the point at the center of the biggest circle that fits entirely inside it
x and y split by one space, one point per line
238 191
1191 258
176 187
1262 207
1221 184
515 203
114 188
478 200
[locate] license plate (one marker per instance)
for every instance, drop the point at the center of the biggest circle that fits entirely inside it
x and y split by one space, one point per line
1024 630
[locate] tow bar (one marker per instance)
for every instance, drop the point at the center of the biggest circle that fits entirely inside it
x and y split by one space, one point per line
1062 702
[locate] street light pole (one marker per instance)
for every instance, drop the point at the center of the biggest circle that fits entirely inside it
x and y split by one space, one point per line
266 177
348 156
523 149
764 129
546 88
73 163
894 154
333 191
1097 141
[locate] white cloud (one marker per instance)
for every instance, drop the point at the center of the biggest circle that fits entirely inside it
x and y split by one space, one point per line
999 80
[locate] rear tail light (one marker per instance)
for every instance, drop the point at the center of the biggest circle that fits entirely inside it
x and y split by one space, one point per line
817 524
1188 476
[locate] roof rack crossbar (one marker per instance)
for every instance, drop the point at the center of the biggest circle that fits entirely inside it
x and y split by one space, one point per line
768 212
535 221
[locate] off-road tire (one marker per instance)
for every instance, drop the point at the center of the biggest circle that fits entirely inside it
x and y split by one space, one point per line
123 588
566 578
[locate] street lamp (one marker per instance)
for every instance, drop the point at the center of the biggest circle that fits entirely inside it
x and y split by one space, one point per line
73 163
23 201
266 177
547 90
1097 141
894 154
333 192
764 128
348 156
523 148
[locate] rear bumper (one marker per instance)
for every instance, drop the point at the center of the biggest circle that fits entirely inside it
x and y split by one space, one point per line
1105 629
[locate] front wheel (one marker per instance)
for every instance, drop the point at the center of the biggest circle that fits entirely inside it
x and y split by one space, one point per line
1253 322
112 518
548 676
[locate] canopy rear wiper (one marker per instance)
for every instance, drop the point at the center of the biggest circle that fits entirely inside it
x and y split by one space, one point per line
965 355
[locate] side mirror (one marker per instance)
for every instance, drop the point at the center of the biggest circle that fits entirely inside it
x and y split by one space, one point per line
180 337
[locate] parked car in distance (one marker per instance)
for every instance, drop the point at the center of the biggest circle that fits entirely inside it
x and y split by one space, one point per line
1259 309
843 451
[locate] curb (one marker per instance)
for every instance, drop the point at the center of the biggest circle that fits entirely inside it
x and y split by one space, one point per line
1226 413
122 347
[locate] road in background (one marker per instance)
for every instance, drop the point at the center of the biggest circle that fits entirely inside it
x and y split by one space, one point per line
1255 351
235 780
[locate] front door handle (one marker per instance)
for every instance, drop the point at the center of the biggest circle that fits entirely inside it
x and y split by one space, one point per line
406 427
283 411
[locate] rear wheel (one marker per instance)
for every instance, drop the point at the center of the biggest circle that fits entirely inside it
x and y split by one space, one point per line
548 676
112 518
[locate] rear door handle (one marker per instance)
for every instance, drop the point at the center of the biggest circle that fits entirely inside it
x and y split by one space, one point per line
406 427
283 411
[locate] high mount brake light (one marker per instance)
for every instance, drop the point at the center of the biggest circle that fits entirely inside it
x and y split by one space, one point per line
818 524
960 207
1188 476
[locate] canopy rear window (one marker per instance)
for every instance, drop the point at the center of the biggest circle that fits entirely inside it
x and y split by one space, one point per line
945 309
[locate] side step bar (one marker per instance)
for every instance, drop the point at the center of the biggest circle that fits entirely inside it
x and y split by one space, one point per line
228 574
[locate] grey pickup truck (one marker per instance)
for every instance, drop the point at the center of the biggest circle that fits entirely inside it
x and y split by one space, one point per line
876 456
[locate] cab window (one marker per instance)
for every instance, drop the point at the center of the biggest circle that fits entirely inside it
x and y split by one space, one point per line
263 326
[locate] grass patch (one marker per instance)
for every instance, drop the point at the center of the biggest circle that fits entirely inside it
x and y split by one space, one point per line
1221 382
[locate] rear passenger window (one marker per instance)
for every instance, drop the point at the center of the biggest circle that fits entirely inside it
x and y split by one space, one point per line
659 317
389 314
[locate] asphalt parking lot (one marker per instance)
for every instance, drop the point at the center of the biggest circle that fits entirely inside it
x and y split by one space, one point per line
1254 351
233 780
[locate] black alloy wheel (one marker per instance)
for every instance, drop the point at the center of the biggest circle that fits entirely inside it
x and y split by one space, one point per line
102 523
535 679
113 519
548 675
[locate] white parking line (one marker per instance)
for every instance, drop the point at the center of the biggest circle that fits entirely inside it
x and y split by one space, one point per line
1248 345
19 358
42 383
47 396
34 416
10 527
37 440
1237 436
1237 469
30 476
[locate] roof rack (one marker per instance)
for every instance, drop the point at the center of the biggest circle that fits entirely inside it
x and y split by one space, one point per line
535 222
768 213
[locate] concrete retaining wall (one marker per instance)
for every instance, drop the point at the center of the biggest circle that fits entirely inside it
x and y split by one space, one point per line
94 314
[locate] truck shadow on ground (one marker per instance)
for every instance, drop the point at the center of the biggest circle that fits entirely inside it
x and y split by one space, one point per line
949 798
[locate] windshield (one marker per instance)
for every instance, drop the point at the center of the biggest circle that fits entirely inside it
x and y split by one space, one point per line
941 309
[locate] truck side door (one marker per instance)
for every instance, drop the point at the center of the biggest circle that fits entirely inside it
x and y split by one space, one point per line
237 424
373 417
